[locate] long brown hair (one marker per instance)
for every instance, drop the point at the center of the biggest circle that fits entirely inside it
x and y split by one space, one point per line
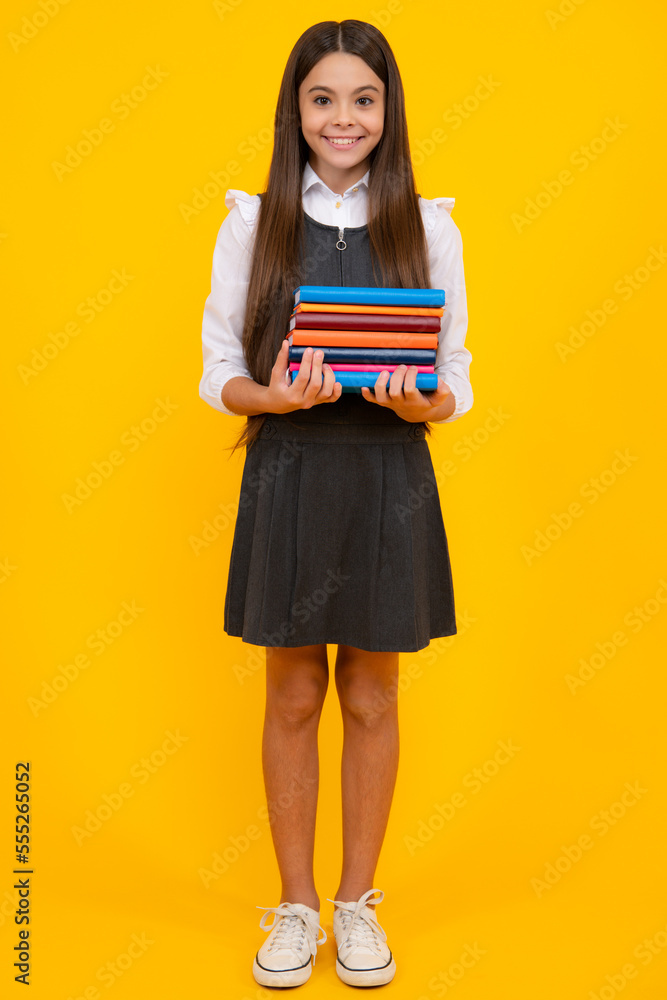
395 227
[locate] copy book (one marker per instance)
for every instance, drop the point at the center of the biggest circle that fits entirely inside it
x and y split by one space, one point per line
363 338
369 295
358 307
374 355
364 321
295 365
354 380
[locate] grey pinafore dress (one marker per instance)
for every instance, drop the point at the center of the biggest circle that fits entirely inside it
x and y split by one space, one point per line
339 535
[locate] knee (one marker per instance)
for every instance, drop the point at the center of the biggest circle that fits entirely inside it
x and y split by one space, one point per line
298 699
366 699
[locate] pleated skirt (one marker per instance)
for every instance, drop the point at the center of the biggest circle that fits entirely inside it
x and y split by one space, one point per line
339 536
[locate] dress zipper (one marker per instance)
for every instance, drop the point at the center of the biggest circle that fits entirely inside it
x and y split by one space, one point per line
341 245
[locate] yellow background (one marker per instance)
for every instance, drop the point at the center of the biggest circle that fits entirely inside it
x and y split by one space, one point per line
529 620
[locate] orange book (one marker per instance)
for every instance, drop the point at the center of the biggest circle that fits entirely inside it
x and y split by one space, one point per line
383 310
363 338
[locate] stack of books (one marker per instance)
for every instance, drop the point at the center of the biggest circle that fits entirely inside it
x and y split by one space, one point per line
364 331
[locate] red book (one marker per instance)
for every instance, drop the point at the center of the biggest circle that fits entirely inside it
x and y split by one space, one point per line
364 321
363 338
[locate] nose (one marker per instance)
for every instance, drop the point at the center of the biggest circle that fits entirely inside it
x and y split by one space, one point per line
343 116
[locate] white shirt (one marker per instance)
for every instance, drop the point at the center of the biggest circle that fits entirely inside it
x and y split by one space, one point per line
224 309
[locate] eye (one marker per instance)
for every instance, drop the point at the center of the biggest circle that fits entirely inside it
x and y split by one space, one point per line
322 98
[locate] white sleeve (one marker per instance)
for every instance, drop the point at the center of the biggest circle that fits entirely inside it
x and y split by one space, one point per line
452 359
224 310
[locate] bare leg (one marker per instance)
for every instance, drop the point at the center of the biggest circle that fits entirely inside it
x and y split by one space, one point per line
296 684
367 685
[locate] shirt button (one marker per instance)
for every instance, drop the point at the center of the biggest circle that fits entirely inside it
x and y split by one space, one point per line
355 189
337 204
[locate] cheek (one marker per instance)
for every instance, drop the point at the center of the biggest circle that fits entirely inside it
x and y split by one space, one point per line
311 122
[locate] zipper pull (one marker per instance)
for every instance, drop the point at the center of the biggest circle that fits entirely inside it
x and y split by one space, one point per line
341 240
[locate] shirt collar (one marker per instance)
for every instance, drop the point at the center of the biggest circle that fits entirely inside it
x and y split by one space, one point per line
310 178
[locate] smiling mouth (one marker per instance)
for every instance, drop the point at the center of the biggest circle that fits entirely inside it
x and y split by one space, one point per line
346 143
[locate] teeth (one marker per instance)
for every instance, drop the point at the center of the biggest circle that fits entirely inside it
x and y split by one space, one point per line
342 142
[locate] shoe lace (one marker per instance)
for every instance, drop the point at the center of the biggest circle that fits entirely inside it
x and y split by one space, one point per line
360 925
290 927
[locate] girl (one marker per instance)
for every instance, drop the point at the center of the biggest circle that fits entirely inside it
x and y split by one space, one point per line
339 536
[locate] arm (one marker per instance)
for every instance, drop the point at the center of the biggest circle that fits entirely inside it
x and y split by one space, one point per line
452 360
224 311
453 397
243 396
226 383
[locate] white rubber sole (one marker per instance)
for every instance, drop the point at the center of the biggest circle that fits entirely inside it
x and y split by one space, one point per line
366 977
291 977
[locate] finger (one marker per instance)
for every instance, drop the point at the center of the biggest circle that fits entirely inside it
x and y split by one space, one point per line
396 382
381 388
280 369
440 393
410 389
282 362
336 387
328 382
303 374
315 384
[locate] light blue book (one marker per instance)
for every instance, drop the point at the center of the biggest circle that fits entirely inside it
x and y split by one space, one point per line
368 296
352 381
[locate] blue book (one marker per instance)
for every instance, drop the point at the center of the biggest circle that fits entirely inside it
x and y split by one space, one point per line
362 295
426 381
371 355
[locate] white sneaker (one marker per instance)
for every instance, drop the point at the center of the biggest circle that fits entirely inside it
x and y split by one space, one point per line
285 957
364 959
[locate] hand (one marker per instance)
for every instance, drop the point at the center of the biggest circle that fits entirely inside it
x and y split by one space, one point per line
398 391
308 388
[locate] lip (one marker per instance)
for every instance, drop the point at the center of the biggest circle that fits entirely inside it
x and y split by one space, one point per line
348 145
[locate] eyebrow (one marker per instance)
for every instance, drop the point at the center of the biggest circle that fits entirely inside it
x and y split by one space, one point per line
330 91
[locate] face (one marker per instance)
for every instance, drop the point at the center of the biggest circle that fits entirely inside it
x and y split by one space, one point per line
341 98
